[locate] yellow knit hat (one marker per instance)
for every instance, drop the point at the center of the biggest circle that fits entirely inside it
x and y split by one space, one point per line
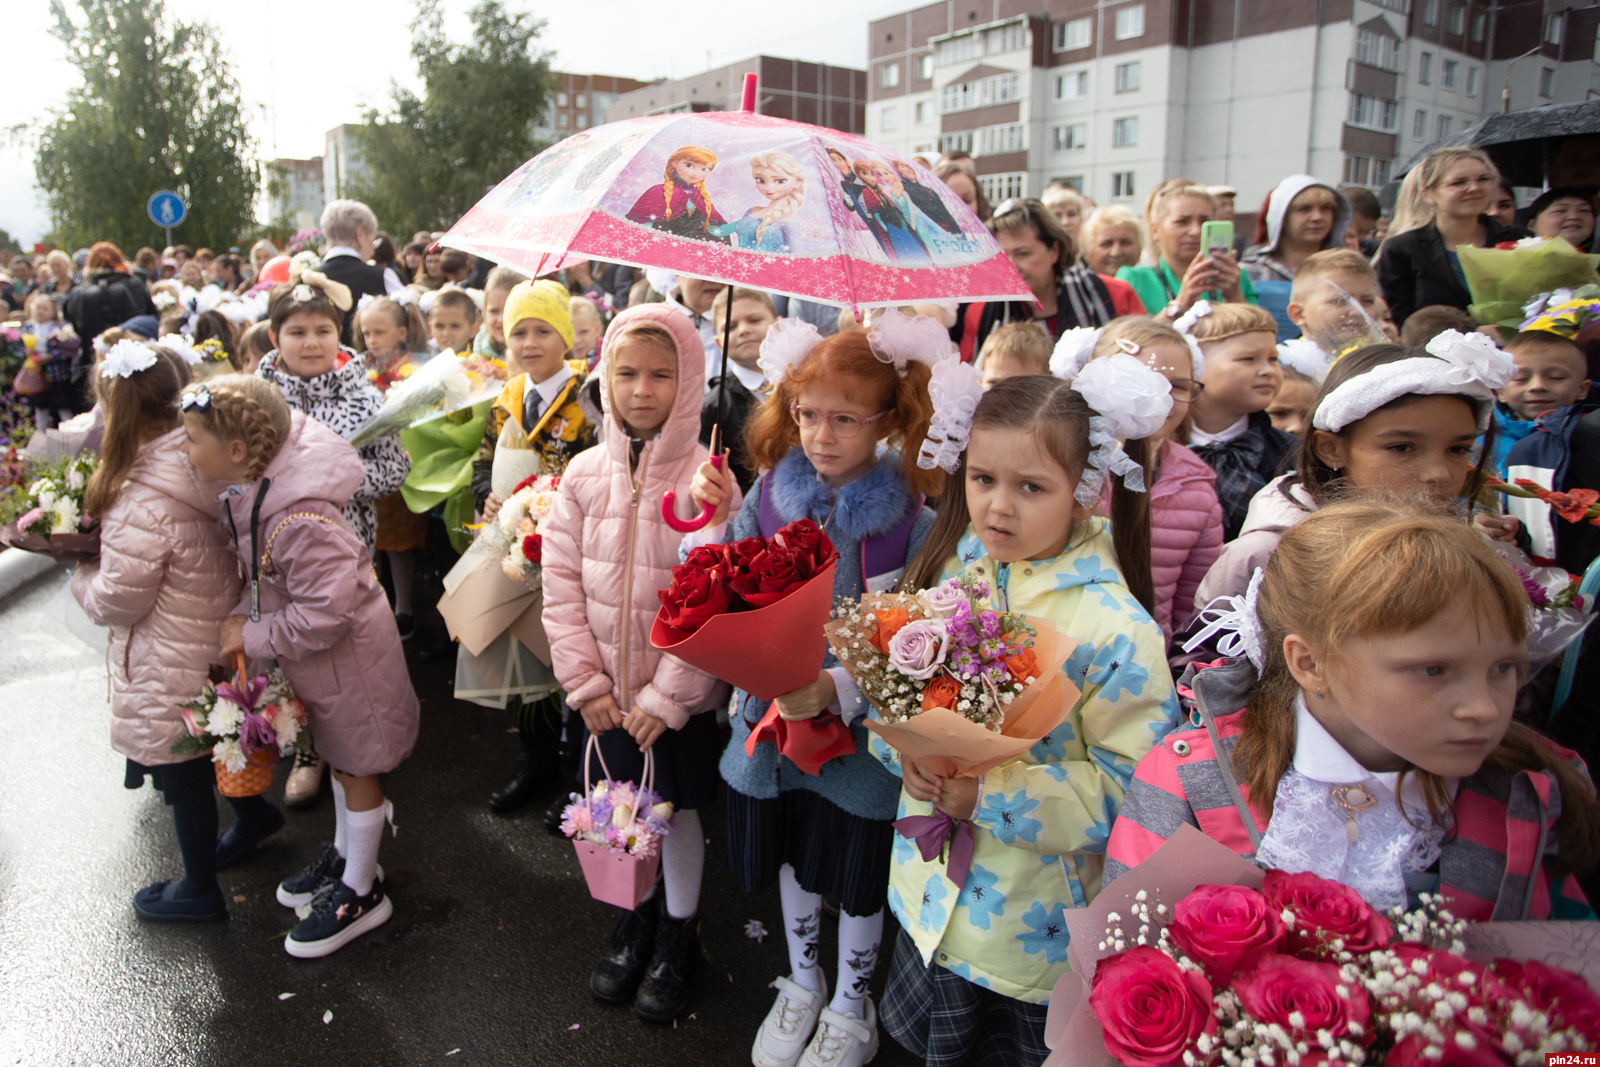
542 299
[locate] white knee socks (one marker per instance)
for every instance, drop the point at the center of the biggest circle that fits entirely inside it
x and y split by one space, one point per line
858 955
341 817
363 833
683 862
802 919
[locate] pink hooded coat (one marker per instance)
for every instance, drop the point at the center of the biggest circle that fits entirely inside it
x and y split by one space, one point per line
607 551
165 580
323 615
1185 533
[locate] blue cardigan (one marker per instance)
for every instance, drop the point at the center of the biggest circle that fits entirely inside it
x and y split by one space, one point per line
868 507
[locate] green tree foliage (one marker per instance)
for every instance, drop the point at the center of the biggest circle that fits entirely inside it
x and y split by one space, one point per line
432 157
159 108
9 243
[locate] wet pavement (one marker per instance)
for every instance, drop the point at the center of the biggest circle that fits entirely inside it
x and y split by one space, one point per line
486 960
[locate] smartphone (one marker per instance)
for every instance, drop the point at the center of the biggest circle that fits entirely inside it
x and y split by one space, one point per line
1216 237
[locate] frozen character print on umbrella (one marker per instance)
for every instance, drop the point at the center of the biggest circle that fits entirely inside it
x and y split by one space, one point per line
890 224
926 198
781 180
894 191
849 184
680 205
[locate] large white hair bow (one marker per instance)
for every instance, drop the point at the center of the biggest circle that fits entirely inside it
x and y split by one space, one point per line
955 390
899 338
1473 357
182 346
126 358
1130 402
1306 356
787 343
1073 349
1236 618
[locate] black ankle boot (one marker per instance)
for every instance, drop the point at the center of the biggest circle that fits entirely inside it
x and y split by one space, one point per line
536 766
633 941
664 993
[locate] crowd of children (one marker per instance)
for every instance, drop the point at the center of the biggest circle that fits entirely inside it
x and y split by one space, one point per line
1115 473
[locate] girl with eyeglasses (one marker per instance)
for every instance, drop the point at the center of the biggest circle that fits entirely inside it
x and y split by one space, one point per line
830 437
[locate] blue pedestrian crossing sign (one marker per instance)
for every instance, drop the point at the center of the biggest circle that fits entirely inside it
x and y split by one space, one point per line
167 209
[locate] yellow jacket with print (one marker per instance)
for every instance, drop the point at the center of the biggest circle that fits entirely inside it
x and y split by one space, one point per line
561 433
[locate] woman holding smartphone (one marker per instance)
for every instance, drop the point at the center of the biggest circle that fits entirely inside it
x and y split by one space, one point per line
1186 270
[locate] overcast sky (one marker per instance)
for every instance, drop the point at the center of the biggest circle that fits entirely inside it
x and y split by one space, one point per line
316 64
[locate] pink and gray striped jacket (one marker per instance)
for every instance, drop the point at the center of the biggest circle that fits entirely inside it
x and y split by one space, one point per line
1503 823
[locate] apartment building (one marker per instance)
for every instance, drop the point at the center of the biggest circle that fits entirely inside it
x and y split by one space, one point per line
578 101
294 191
341 162
817 93
1115 96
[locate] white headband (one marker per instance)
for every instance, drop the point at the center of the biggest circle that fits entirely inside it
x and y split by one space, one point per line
1237 617
1474 367
126 358
955 390
1130 402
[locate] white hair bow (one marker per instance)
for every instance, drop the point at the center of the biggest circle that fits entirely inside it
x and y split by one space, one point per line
1130 401
1073 349
1474 357
126 358
899 338
180 344
1185 325
787 343
1236 618
955 390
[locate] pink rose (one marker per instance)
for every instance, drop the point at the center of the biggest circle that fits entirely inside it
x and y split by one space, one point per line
918 650
1149 1008
1415 1051
943 600
1565 996
1225 928
1302 997
1324 911
189 723
28 518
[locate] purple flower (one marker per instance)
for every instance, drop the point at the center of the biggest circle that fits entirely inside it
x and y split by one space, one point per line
992 648
1536 592
990 624
919 648
965 663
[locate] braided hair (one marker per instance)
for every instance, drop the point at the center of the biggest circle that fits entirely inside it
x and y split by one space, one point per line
695 154
248 409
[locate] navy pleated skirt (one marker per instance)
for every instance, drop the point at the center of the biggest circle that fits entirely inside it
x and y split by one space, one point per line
833 852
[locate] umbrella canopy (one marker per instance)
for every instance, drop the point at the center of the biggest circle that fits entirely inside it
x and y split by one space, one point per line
1517 141
744 199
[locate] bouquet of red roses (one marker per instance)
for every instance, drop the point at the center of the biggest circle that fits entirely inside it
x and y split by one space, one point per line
1272 969
752 612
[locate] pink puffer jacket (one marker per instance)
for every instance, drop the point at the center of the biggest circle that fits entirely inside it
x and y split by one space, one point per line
607 551
165 580
323 615
1185 533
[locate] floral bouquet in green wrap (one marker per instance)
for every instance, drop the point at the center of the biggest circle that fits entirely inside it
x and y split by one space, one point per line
1503 279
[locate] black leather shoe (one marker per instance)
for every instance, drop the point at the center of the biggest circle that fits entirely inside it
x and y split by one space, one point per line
552 814
664 993
633 941
538 765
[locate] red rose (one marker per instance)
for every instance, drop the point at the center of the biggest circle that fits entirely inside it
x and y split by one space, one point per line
1149 1008
1415 1052
1225 928
773 575
533 547
1324 911
738 555
705 559
940 692
805 539
1302 997
693 598
1565 996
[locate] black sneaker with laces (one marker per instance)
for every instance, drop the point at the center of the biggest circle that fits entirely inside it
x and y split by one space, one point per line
633 940
298 890
336 919
664 993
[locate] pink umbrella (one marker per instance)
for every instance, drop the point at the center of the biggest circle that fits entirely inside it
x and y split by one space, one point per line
747 200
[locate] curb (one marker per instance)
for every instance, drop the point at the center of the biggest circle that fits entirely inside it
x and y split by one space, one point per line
18 568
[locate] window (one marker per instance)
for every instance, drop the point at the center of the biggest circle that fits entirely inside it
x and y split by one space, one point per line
1445 123
1073 180
1002 187
1382 169
889 118
1377 50
561 120
1074 86
1130 22
1122 185
963 96
1070 138
1472 81
1125 132
956 142
1372 113
1008 38
561 100
1073 35
1447 73
583 120
1364 170
924 112
888 75
993 140
1430 12
1128 77
581 101
925 68
1547 82
1425 68
1479 23
1455 19
1419 125
1552 29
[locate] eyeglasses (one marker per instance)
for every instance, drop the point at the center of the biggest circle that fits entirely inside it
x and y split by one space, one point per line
199 400
843 426
1186 390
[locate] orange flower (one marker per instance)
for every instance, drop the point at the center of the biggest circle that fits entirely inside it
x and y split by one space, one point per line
890 622
1024 666
941 692
1574 505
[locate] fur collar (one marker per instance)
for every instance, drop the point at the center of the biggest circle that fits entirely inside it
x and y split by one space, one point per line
867 507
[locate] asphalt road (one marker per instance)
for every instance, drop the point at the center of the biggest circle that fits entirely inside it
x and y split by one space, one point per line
486 960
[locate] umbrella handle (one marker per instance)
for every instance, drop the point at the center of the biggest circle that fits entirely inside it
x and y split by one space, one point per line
670 516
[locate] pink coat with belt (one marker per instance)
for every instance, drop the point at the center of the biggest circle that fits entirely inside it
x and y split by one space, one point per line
165 580
323 615
607 551
1185 533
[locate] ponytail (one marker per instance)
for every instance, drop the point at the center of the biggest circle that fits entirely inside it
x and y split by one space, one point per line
1130 528
145 401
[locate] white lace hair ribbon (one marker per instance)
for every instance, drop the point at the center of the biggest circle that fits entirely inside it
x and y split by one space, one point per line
1307 357
1235 618
787 344
365 302
899 338
1472 366
126 358
181 345
955 390
1073 350
1130 402
1185 325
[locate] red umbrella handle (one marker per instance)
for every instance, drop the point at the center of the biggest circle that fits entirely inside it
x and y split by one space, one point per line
670 516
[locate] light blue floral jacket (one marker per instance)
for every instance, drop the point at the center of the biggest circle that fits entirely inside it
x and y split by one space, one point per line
1041 822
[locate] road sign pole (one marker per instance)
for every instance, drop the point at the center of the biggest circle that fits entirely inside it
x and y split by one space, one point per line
169 235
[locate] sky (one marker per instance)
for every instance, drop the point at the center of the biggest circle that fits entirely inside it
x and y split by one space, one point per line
298 86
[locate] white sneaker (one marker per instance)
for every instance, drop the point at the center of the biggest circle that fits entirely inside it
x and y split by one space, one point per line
788 1026
844 1040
